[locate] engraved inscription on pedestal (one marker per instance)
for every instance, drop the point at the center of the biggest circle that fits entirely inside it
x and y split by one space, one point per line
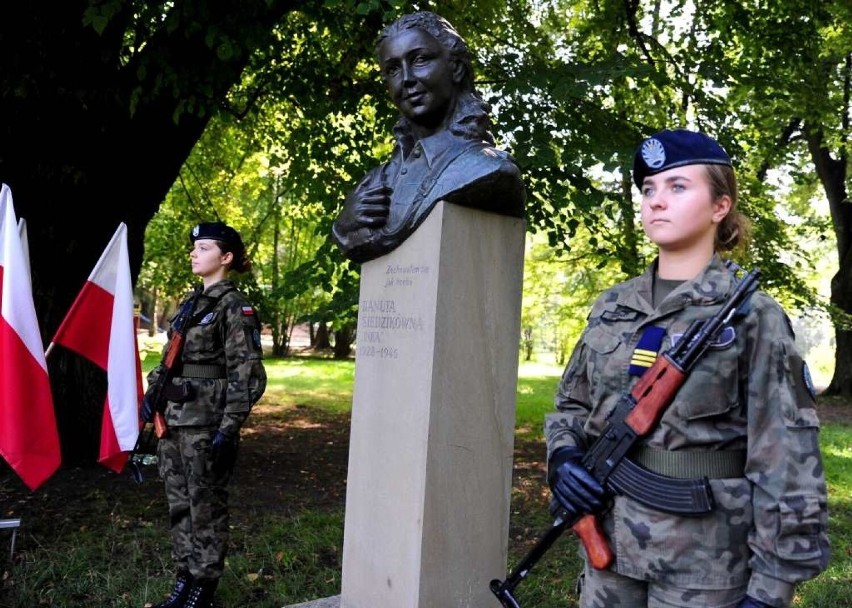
382 321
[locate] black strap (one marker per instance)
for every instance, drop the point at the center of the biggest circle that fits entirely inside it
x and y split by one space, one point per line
186 311
209 306
199 370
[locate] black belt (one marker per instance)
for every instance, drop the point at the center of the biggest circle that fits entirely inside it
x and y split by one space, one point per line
198 370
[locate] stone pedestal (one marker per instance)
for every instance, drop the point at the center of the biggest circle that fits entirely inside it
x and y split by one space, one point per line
327 602
430 461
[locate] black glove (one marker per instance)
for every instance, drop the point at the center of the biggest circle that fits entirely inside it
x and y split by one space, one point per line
572 484
750 602
147 411
223 452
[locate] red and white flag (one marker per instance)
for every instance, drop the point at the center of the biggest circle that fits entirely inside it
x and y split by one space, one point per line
100 327
29 440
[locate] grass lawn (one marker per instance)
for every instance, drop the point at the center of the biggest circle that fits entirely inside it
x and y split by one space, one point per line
91 538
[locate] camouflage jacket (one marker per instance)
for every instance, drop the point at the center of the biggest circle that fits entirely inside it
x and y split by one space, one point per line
749 392
225 333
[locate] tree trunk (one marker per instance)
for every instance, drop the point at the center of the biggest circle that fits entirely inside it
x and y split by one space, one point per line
841 297
153 319
280 336
528 343
321 337
278 323
83 393
343 342
94 136
832 175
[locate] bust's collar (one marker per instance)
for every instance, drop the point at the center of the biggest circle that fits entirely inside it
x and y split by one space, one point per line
434 145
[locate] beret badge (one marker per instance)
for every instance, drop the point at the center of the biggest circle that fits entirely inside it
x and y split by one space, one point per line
653 153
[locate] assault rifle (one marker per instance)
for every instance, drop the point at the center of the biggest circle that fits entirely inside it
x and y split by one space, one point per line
636 413
162 390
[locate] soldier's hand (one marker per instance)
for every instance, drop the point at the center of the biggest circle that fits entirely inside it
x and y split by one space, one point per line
750 602
572 485
223 452
146 412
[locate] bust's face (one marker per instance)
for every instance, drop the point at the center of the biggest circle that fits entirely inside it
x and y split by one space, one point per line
421 79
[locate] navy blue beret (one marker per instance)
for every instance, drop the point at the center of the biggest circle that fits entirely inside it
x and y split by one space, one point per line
668 149
218 231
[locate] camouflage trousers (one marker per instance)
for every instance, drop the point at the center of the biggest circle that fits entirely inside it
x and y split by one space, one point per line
607 589
198 501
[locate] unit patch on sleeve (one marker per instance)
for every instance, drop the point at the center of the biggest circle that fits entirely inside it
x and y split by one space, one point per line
809 382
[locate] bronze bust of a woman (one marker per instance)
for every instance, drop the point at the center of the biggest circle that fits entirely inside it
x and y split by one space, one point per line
444 150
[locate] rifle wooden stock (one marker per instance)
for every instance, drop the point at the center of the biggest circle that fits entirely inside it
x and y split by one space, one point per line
169 359
173 351
160 427
653 393
589 530
168 363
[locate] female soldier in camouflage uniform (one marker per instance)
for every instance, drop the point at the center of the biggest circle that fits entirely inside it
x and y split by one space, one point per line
744 418
208 398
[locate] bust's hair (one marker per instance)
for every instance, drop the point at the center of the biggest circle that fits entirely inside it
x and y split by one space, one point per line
470 117
734 229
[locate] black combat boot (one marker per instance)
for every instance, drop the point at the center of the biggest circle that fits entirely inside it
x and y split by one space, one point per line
177 598
202 594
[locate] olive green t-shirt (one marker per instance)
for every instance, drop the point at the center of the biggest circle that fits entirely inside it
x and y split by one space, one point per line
662 288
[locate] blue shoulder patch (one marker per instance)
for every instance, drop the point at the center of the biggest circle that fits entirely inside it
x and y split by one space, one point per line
725 338
809 382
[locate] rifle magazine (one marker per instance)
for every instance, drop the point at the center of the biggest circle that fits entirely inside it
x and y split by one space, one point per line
685 497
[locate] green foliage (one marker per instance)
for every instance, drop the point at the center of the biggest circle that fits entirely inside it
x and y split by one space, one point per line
558 291
99 15
573 86
277 164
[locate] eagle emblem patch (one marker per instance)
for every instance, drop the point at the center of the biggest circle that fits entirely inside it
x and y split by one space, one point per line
653 153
